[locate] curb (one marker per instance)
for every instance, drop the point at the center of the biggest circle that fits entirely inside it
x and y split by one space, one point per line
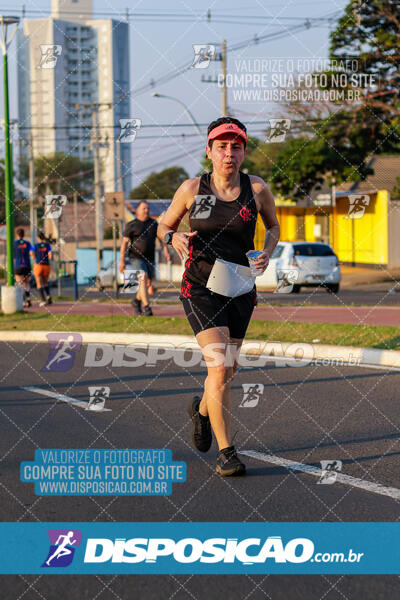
297 353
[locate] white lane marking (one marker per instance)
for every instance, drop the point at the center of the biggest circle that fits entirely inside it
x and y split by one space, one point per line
61 397
368 486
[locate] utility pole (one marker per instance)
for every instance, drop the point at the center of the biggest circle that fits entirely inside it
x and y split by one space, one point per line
120 187
97 191
32 207
221 57
224 94
96 143
76 221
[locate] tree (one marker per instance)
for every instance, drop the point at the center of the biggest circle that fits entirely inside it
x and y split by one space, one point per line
160 185
60 173
367 37
304 163
339 145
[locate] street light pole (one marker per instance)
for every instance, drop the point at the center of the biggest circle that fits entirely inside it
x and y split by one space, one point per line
9 185
186 109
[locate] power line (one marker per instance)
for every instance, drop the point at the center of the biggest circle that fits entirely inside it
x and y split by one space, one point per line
163 15
255 40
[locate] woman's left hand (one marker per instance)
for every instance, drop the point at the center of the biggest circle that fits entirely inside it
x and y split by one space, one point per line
262 261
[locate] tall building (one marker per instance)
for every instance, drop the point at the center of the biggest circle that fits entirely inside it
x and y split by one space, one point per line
67 63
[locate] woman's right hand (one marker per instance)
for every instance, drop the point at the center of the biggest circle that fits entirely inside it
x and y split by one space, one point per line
180 242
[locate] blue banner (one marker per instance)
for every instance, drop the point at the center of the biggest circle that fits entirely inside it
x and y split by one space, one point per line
200 548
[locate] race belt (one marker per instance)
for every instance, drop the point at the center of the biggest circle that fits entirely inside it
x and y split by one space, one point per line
229 279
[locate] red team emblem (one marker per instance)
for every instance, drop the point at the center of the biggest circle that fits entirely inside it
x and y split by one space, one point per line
245 213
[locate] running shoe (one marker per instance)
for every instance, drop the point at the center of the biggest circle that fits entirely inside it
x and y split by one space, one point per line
43 303
147 312
137 307
201 436
228 463
49 300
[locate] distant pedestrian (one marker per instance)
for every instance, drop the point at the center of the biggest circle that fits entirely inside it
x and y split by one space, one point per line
42 254
138 244
22 265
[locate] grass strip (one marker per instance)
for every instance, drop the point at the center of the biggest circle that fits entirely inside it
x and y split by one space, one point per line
366 336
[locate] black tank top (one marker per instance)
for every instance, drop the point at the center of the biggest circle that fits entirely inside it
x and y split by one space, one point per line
225 229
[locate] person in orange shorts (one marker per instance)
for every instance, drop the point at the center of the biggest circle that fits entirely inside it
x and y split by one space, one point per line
42 254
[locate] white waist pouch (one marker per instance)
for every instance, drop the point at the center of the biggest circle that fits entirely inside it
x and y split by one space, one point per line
229 279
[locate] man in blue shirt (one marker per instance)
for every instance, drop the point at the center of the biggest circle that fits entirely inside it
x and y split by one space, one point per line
22 265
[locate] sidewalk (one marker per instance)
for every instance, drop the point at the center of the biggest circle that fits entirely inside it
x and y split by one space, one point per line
367 315
354 276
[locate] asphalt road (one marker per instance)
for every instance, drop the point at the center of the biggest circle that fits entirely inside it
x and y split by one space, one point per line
362 295
306 414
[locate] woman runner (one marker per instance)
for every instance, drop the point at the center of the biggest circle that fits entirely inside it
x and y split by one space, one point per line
223 208
42 255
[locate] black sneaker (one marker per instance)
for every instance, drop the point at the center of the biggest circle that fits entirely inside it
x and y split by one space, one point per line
228 463
137 307
147 312
201 436
49 300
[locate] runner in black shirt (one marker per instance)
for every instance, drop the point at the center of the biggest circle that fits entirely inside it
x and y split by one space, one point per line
139 243
223 207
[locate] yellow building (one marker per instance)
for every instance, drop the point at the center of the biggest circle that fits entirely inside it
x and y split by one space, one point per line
359 220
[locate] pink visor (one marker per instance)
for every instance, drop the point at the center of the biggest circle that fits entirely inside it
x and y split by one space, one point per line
227 128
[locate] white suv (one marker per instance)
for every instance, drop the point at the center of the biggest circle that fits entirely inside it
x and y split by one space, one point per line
308 264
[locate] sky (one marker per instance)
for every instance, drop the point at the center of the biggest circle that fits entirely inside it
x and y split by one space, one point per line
159 45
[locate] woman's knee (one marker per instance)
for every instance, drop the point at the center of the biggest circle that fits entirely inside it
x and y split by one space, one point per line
220 375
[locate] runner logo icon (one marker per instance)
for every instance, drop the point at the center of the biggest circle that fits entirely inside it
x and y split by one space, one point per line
203 54
98 395
330 469
63 347
203 206
251 394
62 547
279 129
54 206
50 54
357 205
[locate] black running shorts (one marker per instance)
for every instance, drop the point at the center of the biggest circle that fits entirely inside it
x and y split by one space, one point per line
204 309
25 271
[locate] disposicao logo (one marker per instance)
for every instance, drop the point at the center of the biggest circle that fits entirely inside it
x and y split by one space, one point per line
190 550
62 547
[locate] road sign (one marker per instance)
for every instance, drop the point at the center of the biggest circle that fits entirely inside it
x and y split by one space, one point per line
114 206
